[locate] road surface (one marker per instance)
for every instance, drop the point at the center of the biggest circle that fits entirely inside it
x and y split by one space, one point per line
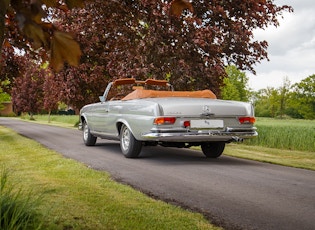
233 193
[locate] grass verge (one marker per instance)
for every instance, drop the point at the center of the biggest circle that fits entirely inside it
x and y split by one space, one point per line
76 197
17 207
292 158
67 121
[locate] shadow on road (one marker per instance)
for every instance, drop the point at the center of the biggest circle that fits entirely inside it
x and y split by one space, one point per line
166 155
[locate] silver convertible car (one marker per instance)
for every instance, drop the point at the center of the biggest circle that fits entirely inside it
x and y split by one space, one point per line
150 112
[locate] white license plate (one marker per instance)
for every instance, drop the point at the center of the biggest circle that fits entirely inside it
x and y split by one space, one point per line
206 124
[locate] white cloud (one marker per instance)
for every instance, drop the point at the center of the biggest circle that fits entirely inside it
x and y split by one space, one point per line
291 47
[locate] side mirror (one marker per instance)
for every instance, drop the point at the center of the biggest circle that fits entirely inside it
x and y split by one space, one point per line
102 98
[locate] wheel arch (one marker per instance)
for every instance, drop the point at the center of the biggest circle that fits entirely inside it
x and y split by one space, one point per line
121 122
83 118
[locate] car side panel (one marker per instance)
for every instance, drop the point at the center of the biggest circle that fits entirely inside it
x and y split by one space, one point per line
138 115
96 115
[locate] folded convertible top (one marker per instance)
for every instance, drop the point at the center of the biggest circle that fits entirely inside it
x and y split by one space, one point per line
143 93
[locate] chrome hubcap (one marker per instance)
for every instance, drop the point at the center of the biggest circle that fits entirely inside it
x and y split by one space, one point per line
125 139
85 132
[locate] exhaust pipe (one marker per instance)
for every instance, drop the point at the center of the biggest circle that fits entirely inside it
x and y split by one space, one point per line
237 139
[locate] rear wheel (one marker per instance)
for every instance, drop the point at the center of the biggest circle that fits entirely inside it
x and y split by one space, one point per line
88 138
212 149
130 147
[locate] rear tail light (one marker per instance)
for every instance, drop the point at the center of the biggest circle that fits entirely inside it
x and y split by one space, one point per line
247 120
186 124
164 120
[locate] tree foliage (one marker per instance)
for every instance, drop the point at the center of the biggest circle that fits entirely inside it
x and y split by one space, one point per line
235 85
189 43
297 101
32 20
144 39
27 95
302 100
4 97
267 102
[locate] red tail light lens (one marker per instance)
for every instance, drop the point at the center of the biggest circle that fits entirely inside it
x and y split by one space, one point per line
186 124
164 120
247 120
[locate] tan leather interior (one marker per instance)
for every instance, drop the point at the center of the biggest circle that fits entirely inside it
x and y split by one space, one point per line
142 93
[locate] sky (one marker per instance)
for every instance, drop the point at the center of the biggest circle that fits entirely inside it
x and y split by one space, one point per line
291 48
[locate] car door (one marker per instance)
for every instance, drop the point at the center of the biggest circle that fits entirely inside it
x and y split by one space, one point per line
113 110
98 117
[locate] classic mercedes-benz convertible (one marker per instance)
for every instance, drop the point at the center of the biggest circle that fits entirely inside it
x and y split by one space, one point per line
150 112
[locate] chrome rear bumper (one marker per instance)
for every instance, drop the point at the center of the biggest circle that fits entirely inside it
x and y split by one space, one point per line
228 135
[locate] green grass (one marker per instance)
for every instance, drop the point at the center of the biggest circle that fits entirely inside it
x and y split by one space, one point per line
68 121
17 207
77 197
292 158
290 134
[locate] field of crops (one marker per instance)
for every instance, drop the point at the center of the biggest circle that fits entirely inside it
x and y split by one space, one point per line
285 134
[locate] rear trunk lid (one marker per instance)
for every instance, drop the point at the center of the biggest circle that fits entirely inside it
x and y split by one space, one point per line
192 107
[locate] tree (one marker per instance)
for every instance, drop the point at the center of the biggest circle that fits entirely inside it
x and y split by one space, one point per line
34 20
189 43
261 103
142 39
27 95
4 97
235 85
302 99
10 67
272 102
297 101
222 22
51 92
267 102
284 92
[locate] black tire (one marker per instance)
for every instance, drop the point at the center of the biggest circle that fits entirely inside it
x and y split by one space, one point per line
88 138
130 147
213 149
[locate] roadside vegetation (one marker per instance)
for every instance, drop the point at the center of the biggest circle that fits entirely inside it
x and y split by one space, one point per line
288 134
67 121
17 207
291 158
73 196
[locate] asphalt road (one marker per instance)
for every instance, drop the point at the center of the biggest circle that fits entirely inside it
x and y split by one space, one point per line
231 192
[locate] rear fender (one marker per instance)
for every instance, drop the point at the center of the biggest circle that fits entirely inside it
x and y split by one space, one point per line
121 122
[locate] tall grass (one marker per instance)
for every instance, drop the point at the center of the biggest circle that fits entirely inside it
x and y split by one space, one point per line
17 208
285 134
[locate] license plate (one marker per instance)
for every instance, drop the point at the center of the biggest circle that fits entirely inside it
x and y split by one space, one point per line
206 124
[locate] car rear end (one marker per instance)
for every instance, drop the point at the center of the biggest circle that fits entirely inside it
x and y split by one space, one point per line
194 120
